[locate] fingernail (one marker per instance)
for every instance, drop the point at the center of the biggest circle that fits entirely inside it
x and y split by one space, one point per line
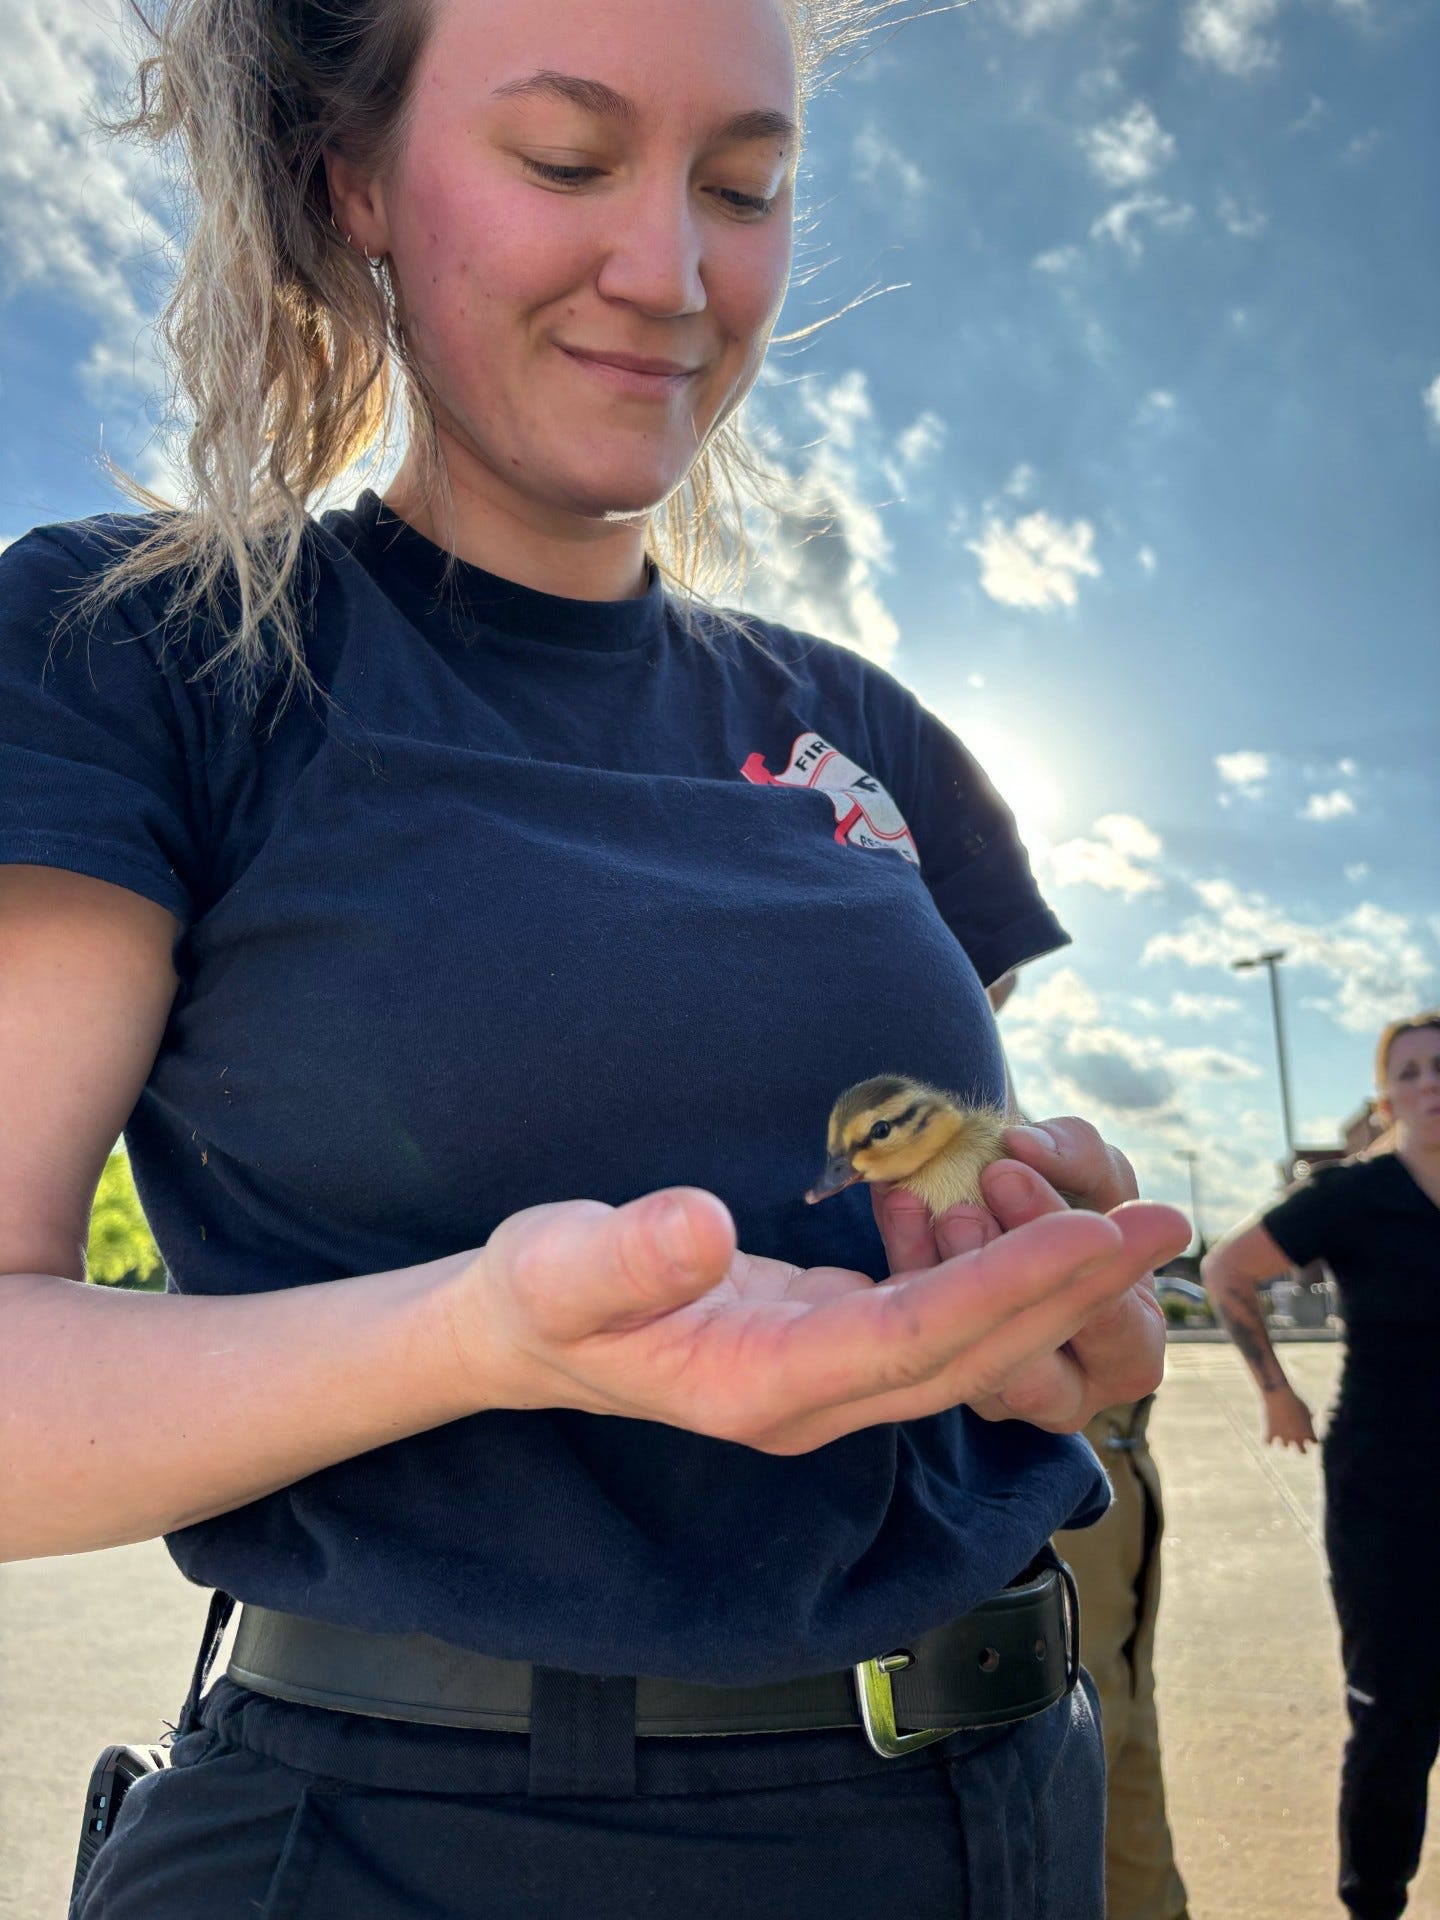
1035 1136
675 1235
1009 1189
966 1235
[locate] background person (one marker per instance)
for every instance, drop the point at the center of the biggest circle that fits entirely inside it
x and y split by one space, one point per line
375 981
1375 1221
1116 1564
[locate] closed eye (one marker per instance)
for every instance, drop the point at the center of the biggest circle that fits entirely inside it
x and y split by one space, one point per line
561 176
746 202
578 176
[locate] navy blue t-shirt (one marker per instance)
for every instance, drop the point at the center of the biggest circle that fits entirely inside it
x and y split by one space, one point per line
553 901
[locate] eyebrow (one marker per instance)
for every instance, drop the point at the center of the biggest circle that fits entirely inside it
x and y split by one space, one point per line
593 96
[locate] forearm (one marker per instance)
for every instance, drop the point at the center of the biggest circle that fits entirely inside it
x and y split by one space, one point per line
126 1415
1237 1305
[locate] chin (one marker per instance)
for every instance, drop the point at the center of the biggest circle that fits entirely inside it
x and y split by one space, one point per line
618 496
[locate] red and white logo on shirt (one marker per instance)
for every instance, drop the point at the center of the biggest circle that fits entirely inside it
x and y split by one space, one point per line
865 815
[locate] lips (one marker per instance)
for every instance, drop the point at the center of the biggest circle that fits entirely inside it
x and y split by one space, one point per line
631 362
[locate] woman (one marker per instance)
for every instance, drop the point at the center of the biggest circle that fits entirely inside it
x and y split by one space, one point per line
529 901
1375 1221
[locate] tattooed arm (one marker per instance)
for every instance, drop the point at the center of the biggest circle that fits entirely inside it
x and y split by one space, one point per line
1232 1272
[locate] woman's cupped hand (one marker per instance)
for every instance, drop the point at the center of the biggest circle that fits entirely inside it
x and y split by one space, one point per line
1026 1309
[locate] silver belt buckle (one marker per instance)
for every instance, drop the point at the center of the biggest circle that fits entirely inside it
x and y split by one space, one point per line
877 1708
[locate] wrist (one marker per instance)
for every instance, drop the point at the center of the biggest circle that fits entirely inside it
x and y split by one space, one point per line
450 1350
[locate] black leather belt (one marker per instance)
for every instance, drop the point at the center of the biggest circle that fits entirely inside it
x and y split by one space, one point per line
1014 1656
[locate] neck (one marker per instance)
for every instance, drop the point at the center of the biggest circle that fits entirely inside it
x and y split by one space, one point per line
1422 1156
493 527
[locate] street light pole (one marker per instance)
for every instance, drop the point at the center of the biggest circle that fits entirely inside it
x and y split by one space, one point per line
1189 1154
1270 961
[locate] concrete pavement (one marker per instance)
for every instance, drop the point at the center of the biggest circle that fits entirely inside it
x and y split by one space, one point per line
98 1647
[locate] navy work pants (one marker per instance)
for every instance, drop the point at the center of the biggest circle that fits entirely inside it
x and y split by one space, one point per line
278 1812
1381 1542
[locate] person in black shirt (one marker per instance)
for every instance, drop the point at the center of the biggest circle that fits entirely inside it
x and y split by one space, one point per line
1375 1221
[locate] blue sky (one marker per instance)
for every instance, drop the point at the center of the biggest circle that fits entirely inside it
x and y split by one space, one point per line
1134 477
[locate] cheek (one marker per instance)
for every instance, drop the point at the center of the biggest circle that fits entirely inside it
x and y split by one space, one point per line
747 276
465 255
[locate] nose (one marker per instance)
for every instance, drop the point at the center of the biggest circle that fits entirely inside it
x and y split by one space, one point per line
653 260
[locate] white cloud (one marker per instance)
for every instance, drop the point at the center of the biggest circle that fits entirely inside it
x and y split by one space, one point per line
1035 561
1021 483
1062 999
1129 148
1361 147
1146 558
1039 16
1357 871
921 440
819 566
1430 397
1246 771
1157 406
1375 966
1202 1006
1121 223
1233 36
1327 806
1210 1063
79 215
1230 34
1244 222
1119 859
1057 260
878 162
1317 111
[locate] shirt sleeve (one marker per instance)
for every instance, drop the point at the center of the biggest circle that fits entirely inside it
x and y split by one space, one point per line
1309 1222
98 736
971 856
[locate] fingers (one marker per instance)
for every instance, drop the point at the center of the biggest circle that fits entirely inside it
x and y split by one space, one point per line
1071 1155
914 1242
1111 1332
914 1345
585 1268
906 1229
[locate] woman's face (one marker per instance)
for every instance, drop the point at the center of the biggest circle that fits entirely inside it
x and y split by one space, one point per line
589 231
1411 1095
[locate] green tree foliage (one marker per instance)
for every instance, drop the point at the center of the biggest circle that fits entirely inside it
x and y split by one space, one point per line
121 1252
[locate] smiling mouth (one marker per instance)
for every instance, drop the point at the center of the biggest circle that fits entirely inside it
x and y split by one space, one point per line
629 375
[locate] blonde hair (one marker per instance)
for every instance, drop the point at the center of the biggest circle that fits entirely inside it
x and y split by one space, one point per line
281 339
1416 1023
1384 1142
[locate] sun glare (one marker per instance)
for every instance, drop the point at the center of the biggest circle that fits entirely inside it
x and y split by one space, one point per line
1027 785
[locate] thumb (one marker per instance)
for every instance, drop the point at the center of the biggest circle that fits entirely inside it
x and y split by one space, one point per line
612 1269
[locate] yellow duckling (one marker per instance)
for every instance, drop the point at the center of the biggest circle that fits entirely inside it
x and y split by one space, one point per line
931 1143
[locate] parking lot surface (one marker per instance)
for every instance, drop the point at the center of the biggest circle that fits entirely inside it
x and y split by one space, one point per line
98 1647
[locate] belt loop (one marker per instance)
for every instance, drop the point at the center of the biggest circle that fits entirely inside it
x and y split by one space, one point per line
216 1621
582 1736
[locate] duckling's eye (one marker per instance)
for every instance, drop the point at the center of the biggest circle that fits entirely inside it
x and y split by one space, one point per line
881 1130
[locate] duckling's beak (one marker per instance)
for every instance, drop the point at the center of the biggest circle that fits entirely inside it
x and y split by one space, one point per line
838 1175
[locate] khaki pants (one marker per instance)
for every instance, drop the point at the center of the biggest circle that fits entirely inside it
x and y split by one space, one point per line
1117 1569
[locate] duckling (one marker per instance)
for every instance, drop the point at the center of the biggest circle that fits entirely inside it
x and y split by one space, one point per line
931 1143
